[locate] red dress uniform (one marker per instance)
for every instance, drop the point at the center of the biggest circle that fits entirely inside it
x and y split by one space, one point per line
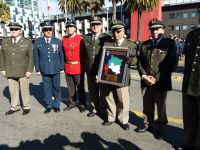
72 48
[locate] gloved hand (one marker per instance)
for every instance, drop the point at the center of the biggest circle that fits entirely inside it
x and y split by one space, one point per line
3 73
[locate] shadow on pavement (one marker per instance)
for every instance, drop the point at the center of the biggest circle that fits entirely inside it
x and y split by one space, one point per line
91 141
172 134
6 93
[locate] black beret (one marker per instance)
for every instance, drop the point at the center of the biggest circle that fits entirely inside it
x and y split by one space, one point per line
96 19
155 23
46 24
116 24
14 25
70 23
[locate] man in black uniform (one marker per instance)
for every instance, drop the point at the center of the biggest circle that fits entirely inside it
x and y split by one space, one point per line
156 62
191 91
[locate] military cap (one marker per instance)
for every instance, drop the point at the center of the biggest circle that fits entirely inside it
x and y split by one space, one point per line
116 24
70 23
95 19
46 24
14 25
155 23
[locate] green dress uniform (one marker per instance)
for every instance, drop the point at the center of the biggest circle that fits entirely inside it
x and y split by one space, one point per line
191 90
117 98
17 59
91 48
157 60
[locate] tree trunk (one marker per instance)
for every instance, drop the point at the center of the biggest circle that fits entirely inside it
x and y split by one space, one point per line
139 22
114 9
121 10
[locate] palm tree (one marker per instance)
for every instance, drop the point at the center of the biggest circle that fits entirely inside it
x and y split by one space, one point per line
140 6
71 6
4 15
92 5
114 3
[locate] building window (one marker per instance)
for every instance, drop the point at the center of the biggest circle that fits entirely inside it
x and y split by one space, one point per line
192 26
171 27
185 27
178 15
171 16
193 14
186 15
177 27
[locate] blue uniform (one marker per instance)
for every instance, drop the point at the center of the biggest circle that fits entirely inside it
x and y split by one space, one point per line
49 60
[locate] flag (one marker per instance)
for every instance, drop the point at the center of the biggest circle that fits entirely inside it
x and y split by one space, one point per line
48 5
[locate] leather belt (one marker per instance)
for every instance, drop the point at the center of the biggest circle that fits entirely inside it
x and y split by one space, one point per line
72 62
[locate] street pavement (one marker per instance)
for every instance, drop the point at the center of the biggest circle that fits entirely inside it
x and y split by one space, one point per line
73 130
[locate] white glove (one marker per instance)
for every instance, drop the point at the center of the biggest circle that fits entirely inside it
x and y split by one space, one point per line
3 73
28 74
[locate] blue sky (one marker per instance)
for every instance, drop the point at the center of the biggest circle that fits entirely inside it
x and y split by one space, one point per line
54 7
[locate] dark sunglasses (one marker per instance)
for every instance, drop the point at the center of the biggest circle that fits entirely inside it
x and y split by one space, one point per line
118 31
47 29
14 29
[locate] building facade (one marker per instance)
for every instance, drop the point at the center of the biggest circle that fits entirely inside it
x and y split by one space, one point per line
180 18
26 13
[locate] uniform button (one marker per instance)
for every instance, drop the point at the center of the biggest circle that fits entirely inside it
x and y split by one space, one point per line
151 66
13 53
194 62
49 59
93 47
198 47
193 69
48 56
48 47
152 54
13 62
152 60
48 52
196 55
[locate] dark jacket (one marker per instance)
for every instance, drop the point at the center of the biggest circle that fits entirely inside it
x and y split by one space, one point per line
16 59
158 61
191 79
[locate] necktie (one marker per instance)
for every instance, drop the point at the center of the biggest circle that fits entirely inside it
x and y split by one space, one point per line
47 40
94 38
14 40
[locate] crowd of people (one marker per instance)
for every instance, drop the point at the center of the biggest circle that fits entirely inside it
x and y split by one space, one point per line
76 55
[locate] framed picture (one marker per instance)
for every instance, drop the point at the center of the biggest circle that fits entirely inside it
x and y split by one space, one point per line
113 68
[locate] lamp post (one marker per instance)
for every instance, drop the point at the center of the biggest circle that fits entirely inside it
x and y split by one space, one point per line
107 9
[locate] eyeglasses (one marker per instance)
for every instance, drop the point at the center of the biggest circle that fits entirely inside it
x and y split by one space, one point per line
14 29
118 31
95 24
47 29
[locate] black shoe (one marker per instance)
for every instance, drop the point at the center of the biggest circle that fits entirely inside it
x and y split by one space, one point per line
10 112
107 123
144 129
26 111
69 106
48 110
56 110
91 114
82 108
125 126
158 134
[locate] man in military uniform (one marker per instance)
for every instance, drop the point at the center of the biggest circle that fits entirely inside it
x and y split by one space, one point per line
117 98
156 62
49 62
92 44
73 70
191 91
16 56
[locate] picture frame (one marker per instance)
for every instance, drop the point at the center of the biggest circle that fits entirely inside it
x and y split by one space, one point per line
113 68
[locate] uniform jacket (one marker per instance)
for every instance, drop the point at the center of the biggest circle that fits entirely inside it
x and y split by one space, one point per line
48 58
72 51
191 79
133 48
16 59
91 52
158 61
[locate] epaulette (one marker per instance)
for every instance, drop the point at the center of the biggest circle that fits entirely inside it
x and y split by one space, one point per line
131 40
